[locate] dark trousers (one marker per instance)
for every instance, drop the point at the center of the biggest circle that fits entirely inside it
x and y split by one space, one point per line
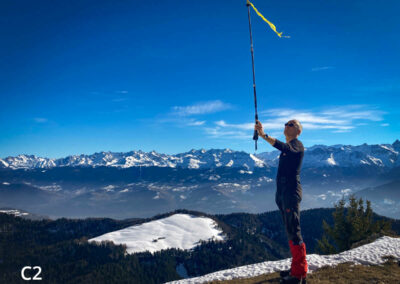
288 200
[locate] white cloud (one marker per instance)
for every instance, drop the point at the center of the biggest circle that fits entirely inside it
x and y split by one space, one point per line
117 100
195 123
181 121
219 132
385 124
321 68
341 131
355 112
336 119
230 131
201 108
183 116
283 115
243 126
40 120
326 126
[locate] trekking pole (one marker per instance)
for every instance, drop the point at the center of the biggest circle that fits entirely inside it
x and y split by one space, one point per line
255 135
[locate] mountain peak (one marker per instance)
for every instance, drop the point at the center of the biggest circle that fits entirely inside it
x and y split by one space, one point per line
396 144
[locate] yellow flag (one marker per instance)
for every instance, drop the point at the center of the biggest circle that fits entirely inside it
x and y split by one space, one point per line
272 26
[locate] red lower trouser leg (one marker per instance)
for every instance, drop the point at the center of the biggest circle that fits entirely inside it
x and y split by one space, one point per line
299 265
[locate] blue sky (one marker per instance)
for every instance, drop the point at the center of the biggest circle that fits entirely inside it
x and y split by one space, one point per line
87 76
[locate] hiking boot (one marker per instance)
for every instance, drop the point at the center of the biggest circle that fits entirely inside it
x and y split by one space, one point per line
284 273
289 279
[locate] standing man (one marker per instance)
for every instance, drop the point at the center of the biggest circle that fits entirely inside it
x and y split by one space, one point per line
289 194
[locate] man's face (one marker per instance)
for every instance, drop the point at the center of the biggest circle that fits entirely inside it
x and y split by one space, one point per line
291 129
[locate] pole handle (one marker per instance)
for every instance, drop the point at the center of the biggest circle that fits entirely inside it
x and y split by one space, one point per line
255 138
255 134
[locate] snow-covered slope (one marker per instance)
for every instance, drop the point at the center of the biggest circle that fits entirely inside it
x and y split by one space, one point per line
381 155
27 161
368 254
181 231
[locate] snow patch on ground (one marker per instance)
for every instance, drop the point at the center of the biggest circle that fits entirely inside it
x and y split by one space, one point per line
194 164
246 172
331 161
367 254
214 177
258 162
181 231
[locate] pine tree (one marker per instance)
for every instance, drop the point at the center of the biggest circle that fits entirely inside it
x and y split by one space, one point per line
352 224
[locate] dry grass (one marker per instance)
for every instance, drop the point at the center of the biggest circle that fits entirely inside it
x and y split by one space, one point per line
347 273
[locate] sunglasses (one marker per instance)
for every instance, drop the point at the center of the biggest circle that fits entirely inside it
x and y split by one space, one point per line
289 124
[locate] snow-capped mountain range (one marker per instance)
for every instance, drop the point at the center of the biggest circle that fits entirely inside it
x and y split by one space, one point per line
194 159
381 155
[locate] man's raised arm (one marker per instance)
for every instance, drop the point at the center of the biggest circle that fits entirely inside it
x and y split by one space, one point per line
261 133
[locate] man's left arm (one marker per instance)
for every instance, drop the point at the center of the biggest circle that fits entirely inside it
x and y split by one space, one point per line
261 133
269 139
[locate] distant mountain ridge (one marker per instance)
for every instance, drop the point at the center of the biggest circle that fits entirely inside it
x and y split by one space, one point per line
194 159
380 155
